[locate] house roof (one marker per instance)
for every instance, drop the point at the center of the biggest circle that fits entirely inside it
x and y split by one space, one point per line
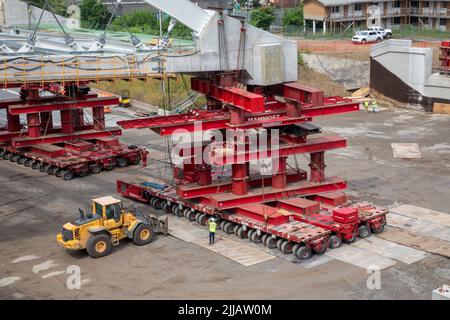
329 3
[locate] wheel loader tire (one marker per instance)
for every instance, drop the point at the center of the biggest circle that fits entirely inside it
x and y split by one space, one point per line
98 245
143 234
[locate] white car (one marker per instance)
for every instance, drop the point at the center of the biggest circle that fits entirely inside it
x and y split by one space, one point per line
367 36
387 33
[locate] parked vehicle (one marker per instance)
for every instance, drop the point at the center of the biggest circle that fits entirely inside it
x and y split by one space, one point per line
367 36
387 33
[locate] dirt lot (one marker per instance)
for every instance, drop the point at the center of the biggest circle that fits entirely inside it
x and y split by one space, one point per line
34 206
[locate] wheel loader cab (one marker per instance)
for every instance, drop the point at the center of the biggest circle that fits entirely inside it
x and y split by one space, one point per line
110 209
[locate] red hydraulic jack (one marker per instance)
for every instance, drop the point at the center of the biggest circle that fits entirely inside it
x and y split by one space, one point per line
280 207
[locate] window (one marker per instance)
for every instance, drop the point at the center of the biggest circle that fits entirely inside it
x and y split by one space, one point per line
396 4
443 22
396 20
414 4
372 33
335 9
357 7
113 212
98 209
426 4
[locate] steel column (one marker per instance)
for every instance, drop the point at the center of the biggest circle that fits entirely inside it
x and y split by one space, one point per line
317 166
203 174
279 177
240 177
66 121
13 122
34 125
46 121
98 115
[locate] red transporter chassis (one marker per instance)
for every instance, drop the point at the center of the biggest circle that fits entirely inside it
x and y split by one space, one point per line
271 210
76 158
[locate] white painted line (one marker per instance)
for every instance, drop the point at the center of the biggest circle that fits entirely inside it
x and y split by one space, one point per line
25 258
406 150
360 258
236 251
390 249
44 266
7 281
419 213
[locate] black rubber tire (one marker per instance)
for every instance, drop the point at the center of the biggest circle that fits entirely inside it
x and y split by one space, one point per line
14 158
186 211
249 233
122 162
59 172
83 173
199 217
303 253
228 227
28 162
92 244
157 204
95 168
363 232
351 240
335 242
271 242
140 231
279 243
255 238
203 220
7 155
136 161
191 216
363 41
165 207
35 165
264 238
236 228
378 230
286 247
43 167
21 160
67 175
2 152
110 166
222 225
295 247
151 201
51 170
178 212
241 233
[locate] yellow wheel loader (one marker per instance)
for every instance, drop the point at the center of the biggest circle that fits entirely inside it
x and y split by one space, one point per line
107 224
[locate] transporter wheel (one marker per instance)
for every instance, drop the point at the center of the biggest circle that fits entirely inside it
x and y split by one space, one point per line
241 233
264 238
109 166
303 253
152 202
67 175
279 243
94 168
98 245
335 242
271 242
236 228
28 162
165 207
255 238
7 155
14 158
364 232
295 247
191 215
228 227
197 217
378 229
286 247
143 234
43 167
186 211
2 152
222 225
35 165
136 161
21 160
59 172
249 233
203 219
178 212
51 170
350 238
157 204
322 249
122 162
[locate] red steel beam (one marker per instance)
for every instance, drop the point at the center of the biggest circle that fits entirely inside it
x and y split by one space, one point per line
64 105
315 144
57 137
268 194
236 97
18 101
303 94
8 135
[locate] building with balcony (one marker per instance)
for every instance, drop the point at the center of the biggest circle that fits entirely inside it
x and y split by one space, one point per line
339 15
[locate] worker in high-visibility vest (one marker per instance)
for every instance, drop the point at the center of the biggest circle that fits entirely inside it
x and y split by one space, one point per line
366 105
374 105
212 230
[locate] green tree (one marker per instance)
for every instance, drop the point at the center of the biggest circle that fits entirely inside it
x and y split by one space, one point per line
262 18
59 6
94 14
293 16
